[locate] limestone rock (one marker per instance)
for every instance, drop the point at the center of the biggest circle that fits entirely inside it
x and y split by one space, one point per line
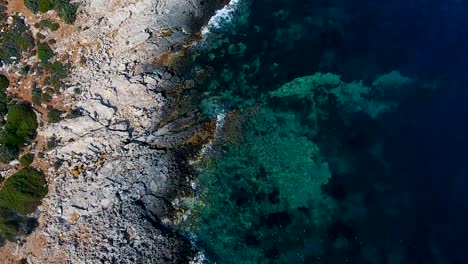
120 172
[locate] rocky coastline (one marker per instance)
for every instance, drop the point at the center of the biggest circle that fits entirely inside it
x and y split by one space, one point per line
121 155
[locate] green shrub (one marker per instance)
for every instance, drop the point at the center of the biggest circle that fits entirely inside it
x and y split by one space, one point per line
36 96
21 125
3 112
32 5
52 143
4 82
55 82
3 108
44 52
40 36
45 5
23 192
58 72
49 24
26 159
8 153
54 115
14 225
77 90
58 163
25 70
46 98
14 40
65 9
74 113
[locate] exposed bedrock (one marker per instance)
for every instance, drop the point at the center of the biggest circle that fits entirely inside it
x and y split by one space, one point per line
121 168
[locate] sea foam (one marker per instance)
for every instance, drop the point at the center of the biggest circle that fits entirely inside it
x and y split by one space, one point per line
221 16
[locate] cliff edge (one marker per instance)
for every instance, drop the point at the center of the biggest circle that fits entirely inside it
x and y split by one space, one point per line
117 168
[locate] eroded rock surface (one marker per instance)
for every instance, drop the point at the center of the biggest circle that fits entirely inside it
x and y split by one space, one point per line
120 173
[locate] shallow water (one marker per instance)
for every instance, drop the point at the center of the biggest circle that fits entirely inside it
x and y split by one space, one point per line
365 164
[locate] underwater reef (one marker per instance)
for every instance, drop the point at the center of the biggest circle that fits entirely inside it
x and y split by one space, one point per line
311 98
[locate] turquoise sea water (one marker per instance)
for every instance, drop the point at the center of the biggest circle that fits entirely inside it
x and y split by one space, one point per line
322 150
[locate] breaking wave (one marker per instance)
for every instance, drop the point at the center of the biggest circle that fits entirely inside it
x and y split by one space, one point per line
222 16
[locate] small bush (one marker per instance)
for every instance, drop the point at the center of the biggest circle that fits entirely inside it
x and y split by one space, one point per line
46 98
23 191
74 113
58 72
14 225
44 52
45 5
3 108
26 159
21 125
4 82
40 36
8 153
58 163
49 24
32 5
15 40
54 115
65 9
25 70
52 143
36 96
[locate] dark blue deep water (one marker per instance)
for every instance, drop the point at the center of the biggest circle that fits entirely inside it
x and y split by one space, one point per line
345 133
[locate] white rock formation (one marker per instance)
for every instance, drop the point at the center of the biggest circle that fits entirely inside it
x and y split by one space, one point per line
119 173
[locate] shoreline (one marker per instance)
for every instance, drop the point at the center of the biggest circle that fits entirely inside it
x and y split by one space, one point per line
121 164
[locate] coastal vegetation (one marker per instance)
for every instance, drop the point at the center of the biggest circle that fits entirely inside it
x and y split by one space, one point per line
20 195
21 125
15 40
54 115
65 9
23 191
26 160
47 23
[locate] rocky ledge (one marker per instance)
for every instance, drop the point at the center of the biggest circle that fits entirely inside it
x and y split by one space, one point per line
121 168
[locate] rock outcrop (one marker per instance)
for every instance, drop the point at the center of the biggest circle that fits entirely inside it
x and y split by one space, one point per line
108 200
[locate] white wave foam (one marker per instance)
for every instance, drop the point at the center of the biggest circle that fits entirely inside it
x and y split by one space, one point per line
199 258
222 16
206 148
